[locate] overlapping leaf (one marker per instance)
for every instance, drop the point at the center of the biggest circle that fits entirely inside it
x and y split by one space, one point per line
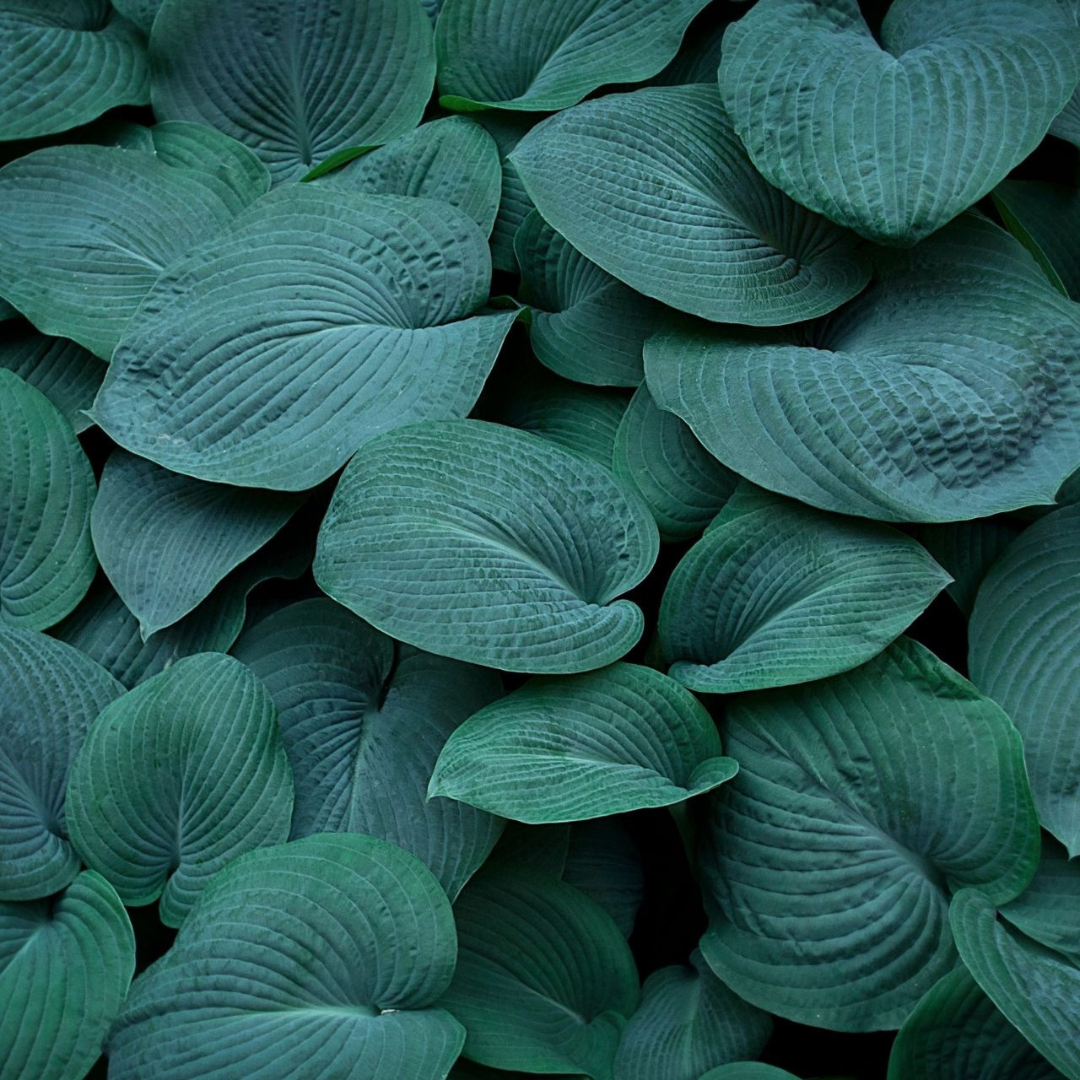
603 862
507 129
1045 218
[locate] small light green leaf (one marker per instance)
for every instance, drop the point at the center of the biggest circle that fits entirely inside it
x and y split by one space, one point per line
507 129
65 62
897 138
544 980
565 749
860 802
655 188
785 594
322 957
1045 218
295 80
65 966
603 862
51 695
46 491
363 721
488 545
177 777
315 321
1025 654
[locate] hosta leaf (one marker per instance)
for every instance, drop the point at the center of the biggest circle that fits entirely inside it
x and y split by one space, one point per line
507 129
1045 218
64 372
452 159
177 777
965 325
564 749
682 484
362 325
140 12
296 80
86 230
785 594
861 800
322 957
165 540
748 1070
65 62
544 980
583 324
187 145
687 1023
550 53
603 862
895 139
1025 654
65 966
363 721
1066 124
489 545
51 695
1048 910
46 489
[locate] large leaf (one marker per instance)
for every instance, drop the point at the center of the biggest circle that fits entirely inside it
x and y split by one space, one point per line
363 721
488 545
323 957
1025 654
177 777
860 802
583 324
544 980
296 80
779 593
46 491
1045 218
507 129
452 159
949 390
315 321
564 749
895 139
165 540
548 54
64 62
655 188
51 695
65 966
86 230
687 1023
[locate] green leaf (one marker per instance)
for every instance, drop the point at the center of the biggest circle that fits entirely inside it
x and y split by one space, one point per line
785 594
544 980
1066 124
315 321
1045 218
46 489
565 749
140 12
452 159
682 484
86 230
363 721
178 777
321 957
687 1023
860 802
655 188
489 545
1024 653
1048 910
603 862
748 1070
584 324
51 695
897 138
699 55
965 325
64 62
507 129
165 540
549 54
65 966
65 373
187 145
295 81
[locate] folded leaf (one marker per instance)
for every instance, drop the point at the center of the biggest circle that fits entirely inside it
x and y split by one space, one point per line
1045 218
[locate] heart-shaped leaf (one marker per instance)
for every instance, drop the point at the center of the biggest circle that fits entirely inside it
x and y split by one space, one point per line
897 138
322 957
363 721
1045 218
362 325
178 777
655 188
860 802
564 749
